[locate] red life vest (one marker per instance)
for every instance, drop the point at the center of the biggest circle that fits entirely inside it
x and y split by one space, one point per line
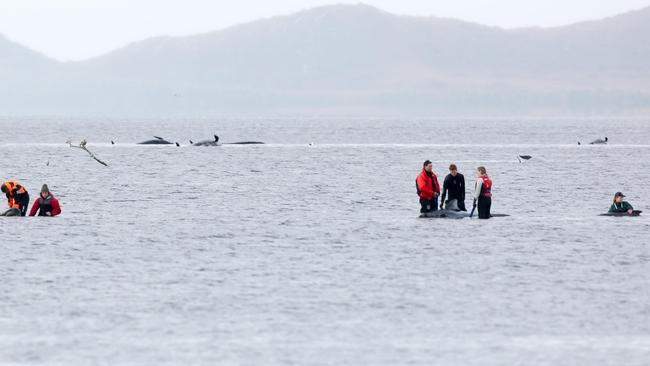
486 189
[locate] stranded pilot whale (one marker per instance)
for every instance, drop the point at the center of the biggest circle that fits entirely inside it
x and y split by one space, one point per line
245 143
11 212
599 141
214 142
452 212
156 141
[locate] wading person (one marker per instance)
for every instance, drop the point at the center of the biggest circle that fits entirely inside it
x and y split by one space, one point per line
17 196
46 204
483 193
454 185
428 188
620 206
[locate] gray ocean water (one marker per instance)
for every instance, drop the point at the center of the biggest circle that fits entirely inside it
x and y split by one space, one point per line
290 254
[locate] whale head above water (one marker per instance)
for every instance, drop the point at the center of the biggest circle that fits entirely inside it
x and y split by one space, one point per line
599 141
214 142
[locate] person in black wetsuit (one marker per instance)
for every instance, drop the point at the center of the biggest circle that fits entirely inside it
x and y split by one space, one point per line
454 184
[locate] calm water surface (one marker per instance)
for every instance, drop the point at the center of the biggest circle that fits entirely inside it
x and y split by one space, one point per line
290 254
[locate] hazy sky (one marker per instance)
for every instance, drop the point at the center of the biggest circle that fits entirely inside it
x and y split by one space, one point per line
77 29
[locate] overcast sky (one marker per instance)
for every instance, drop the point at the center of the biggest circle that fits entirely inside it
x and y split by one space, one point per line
78 29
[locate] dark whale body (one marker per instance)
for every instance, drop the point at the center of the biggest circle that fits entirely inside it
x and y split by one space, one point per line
622 214
599 141
11 212
451 214
214 142
156 141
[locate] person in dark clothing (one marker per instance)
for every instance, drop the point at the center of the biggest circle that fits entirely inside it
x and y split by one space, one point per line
46 204
483 193
454 184
620 206
17 196
427 188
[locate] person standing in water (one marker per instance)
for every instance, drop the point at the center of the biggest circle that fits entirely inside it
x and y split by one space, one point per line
454 184
620 206
428 188
17 196
46 204
483 193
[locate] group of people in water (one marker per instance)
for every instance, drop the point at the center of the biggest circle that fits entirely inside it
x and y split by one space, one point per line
18 201
453 190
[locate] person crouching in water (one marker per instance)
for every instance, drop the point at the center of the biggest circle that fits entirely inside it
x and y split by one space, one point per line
46 204
17 196
620 206
428 188
454 184
483 193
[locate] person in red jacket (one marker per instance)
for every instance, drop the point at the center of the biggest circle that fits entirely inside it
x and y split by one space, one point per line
46 204
428 188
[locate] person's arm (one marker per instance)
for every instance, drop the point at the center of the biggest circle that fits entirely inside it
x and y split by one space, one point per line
35 207
628 207
477 191
56 208
444 192
462 187
436 186
14 195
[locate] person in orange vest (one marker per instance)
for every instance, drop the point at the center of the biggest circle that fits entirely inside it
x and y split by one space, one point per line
428 188
17 196
483 193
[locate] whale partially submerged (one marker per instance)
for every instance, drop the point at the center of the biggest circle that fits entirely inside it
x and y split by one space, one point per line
245 143
599 141
623 214
156 141
11 212
451 211
451 214
444 214
214 142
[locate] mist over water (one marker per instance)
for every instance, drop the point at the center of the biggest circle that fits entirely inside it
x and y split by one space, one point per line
287 253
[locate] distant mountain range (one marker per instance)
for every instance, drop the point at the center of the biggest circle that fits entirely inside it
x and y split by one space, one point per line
348 59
